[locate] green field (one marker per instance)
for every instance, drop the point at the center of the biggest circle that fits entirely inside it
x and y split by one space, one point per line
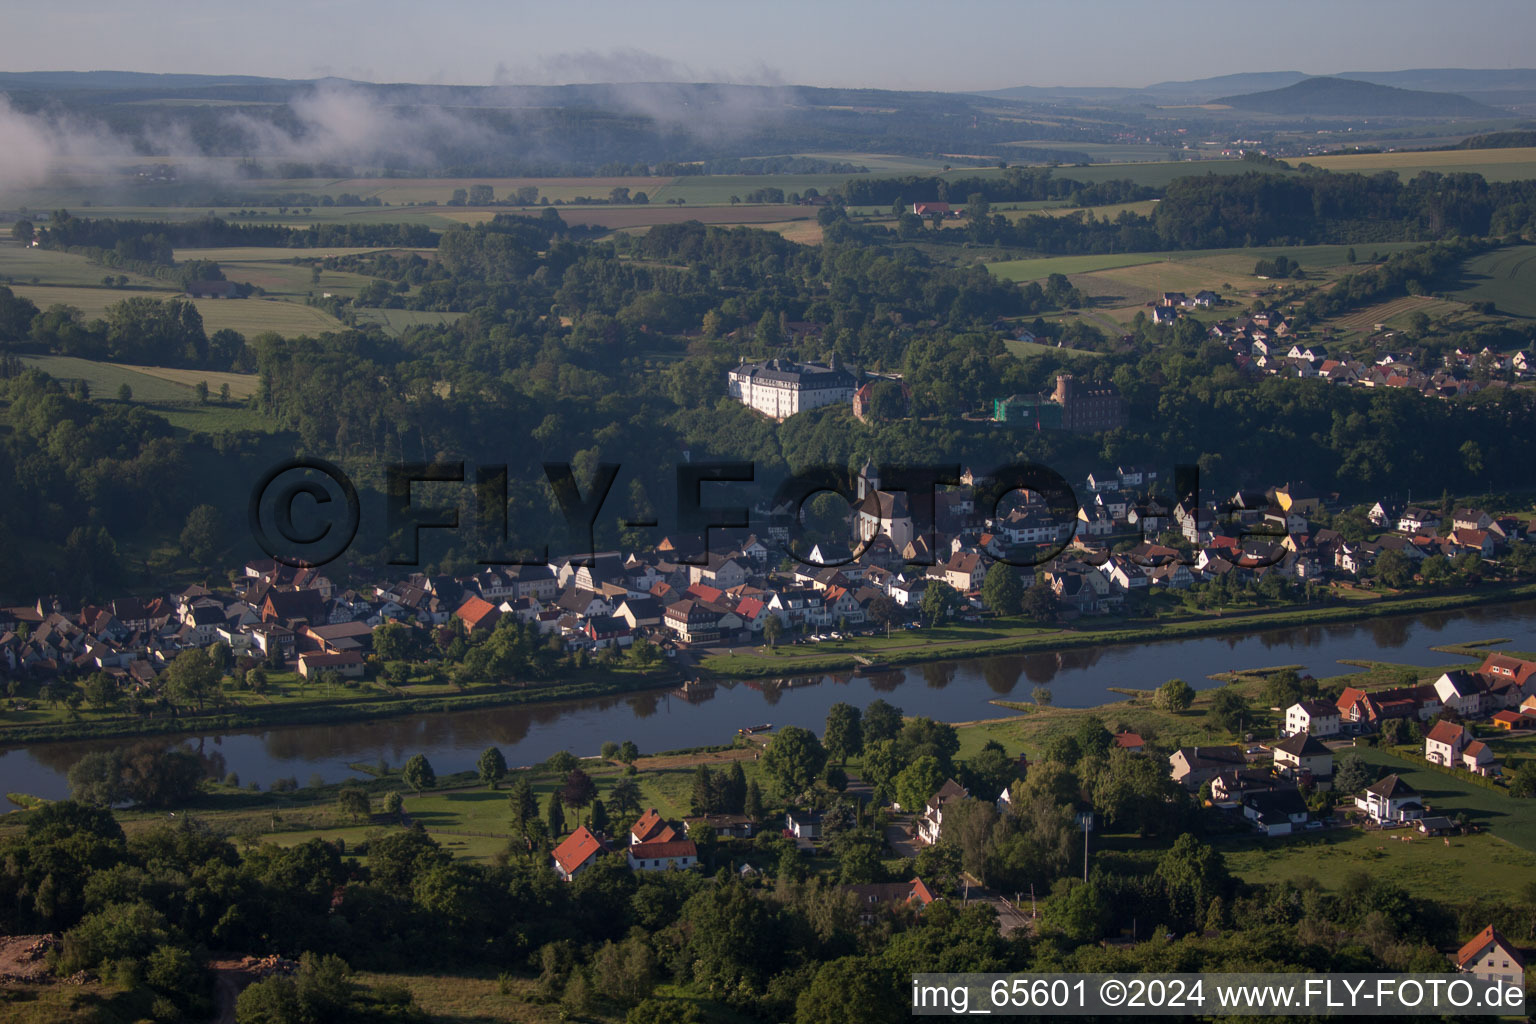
1426 867
1506 277
1505 816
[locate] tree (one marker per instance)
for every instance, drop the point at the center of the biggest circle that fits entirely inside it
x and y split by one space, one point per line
579 790
1039 604
918 781
795 757
1351 774
705 798
1002 591
752 807
353 801
524 804
1282 688
844 735
555 816
1523 784
124 392
201 535
96 778
1229 709
773 628
391 642
418 773
882 721
598 819
492 765
190 677
610 751
562 763
393 802
1393 569
1174 695
628 752
101 690
939 602
884 611
625 796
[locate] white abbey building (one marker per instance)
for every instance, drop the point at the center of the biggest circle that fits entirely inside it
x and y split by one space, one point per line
780 387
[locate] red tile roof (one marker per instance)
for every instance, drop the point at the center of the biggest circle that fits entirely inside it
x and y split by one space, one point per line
474 611
1446 732
1468 953
663 849
579 848
650 827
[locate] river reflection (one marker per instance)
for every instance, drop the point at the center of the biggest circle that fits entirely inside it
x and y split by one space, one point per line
952 691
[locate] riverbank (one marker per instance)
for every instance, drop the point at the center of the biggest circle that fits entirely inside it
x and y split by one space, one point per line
1018 638
321 712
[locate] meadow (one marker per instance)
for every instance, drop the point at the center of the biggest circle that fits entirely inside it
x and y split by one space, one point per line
1506 277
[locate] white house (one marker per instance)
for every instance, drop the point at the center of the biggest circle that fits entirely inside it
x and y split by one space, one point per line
679 854
1390 800
1319 718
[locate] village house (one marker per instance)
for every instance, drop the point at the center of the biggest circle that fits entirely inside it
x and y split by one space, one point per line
1317 717
1445 742
662 855
1390 800
875 896
1301 756
651 827
1191 766
1275 812
1489 956
577 853
931 822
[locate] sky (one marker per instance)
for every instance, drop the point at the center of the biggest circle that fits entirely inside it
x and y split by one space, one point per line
891 44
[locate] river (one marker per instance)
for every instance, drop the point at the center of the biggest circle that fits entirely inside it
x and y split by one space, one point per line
954 691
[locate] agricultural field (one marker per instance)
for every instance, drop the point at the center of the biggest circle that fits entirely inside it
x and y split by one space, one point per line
104 379
248 316
266 254
1506 277
619 217
1394 313
22 265
1493 164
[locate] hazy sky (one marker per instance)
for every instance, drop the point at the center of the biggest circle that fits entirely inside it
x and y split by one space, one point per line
964 44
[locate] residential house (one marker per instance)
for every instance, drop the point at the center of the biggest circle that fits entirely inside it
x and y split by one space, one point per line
662 855
478 615
931 823
651 827
1316 717
1445 742
577 853
874 896
347 664
1390 800
1302 756
1275 812
804 825
1191 766
1489 956
732 826
1477 758
1462 691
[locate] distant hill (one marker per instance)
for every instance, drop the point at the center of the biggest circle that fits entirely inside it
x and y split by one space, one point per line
1351 97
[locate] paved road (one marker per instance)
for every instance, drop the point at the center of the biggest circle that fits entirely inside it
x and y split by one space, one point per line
1009 918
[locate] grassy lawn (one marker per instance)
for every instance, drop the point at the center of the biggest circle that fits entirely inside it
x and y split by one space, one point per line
1426 867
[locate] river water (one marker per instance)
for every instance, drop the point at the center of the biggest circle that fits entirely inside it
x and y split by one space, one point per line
954 691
